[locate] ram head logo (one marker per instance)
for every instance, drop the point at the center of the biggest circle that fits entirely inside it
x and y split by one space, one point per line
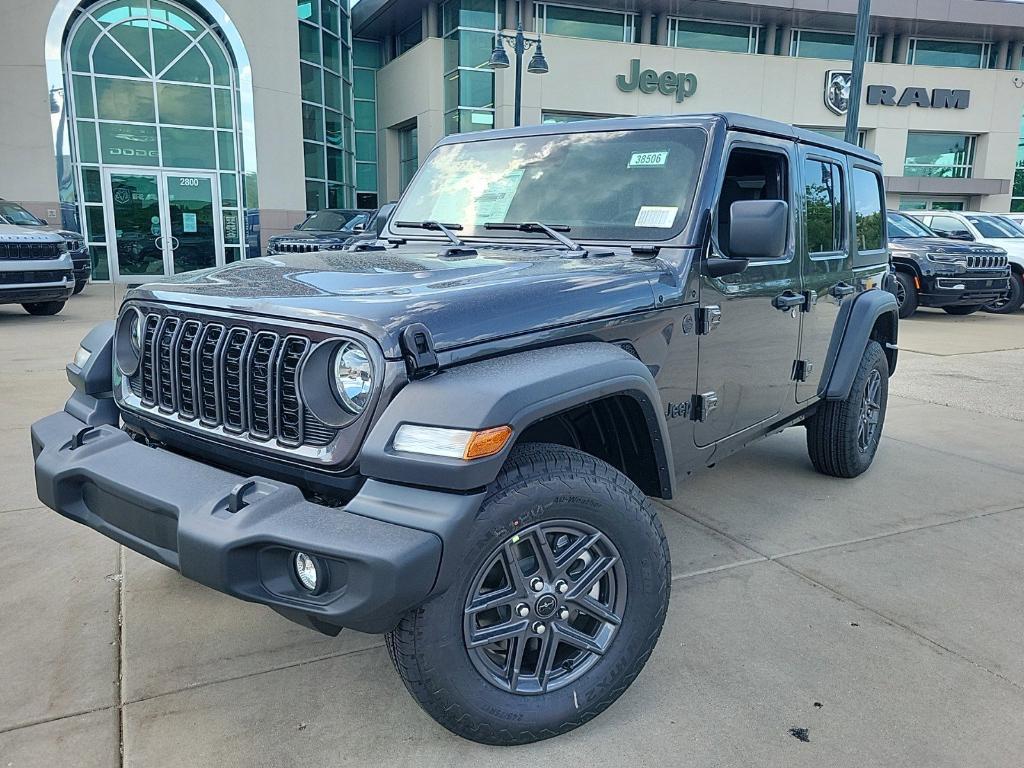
837 90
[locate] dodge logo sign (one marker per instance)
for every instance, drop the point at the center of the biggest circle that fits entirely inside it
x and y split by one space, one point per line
837 90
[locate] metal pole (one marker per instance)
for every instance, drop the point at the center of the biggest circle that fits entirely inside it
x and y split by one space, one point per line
860 53
520 49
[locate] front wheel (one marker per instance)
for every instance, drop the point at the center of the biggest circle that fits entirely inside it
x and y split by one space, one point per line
906 295
44 307
843 435
80 286
555 608
967 309
1013 299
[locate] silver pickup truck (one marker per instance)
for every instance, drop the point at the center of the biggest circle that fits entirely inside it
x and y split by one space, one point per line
36 270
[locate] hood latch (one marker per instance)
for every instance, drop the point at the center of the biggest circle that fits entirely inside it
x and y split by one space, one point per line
418 350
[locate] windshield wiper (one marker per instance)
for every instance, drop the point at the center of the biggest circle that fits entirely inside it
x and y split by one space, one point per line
434 226
553 231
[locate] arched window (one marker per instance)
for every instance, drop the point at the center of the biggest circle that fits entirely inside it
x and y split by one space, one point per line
156 140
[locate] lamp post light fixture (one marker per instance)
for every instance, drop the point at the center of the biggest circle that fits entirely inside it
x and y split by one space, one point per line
520 44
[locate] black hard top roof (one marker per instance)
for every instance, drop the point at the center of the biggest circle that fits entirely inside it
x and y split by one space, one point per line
732 120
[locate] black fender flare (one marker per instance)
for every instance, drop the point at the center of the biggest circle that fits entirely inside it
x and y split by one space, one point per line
907 265
856 323
517 390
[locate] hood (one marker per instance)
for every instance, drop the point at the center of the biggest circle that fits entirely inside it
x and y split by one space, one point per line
462 300
312 235
944 245
14 233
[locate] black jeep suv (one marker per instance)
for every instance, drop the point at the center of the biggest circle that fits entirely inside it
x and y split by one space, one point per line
329 229
450 434
934 271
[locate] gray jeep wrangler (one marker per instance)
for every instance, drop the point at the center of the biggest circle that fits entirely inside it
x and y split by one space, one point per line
451 434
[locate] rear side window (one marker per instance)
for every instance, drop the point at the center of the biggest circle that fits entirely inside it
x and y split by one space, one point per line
823 206
867 206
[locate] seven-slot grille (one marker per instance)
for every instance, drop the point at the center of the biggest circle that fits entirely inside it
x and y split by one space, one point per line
242 380
30 251
986 262
296 247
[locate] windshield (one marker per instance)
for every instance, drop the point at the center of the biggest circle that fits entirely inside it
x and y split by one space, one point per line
904 226
15 214
328 220
996 227
618 185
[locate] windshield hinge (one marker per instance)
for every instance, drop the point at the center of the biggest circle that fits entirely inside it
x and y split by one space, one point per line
646 251
418 350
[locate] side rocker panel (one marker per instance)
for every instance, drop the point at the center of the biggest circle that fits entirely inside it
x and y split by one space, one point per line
517 390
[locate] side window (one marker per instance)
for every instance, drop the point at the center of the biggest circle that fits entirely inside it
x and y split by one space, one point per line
750 175
947 226
867 206
823 206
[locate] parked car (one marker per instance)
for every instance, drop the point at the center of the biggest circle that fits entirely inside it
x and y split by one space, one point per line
451 436
1016 217
12 213
932 271
329 229
987 228
36 270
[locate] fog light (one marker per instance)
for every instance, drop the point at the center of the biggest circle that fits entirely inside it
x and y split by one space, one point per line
306 571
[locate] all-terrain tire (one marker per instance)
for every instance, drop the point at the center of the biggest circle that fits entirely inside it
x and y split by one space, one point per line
835 442
906 295
1014 299
964 309
540 485
44 307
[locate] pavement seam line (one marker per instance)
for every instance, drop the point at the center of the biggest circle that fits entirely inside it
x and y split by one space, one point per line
57 719
954 455
894 623
121 560
257 673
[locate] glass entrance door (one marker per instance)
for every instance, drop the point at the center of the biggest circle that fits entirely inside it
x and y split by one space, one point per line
193 235
135 223
162 222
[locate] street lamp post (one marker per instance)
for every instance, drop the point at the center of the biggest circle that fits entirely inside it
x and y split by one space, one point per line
860 53
520 44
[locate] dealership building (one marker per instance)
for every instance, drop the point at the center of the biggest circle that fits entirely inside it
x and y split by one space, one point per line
178 134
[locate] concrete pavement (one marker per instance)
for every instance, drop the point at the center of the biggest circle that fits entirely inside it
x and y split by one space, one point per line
882 615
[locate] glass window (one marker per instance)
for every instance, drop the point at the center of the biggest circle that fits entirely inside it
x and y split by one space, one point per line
467 48
312 122
87 151
814 44
366 175
94 224
129 144
539 178
218 62
100 264
996 227
477 14
366 53
868 207
334 136
365 116
92 192
366 146
168 43
329 16
950 226
134 38
184 104
332 52
946 155
309 43
228 189
335 164
190 68
408 156
586 22
948 53
310 83
82 87
127 100
332 91
187 148
711 36
314 159
823 207
409 37
901 225
225 109
226 150
306 9
363 85
81 44
315 195
109 59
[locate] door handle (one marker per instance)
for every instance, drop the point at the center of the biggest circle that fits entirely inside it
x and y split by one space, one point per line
789 300
158 243
174 243
842 289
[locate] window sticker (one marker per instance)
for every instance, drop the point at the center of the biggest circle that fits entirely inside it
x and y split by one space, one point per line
497 198
648 159
660 216
188 222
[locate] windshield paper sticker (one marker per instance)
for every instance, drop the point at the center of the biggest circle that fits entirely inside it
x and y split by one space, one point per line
648 159
495 201
661 216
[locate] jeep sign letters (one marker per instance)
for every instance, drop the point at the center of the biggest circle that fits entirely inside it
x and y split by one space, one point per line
682 84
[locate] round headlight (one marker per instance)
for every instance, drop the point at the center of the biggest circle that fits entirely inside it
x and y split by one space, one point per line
353 376
135 331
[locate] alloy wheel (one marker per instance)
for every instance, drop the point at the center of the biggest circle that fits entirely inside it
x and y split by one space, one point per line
870 411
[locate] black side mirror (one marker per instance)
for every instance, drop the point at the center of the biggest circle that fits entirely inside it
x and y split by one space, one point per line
297 226
44 222
962 234
359 228
758 229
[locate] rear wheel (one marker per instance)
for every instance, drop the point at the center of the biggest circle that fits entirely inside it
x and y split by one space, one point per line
968 309
44 307
906 294
843 435
555 607
1013 299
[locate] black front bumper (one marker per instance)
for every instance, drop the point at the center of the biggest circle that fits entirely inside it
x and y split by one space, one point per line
83 266
968 289
21 295
179 512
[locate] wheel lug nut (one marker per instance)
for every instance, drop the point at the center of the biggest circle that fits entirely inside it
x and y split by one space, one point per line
563 614
539 628
523 610
537 584
562 587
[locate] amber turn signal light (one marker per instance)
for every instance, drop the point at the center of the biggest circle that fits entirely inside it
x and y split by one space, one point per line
487 442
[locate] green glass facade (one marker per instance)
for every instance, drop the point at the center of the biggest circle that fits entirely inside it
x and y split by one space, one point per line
325 69
592 23
715 36
366 60
468 30
943 155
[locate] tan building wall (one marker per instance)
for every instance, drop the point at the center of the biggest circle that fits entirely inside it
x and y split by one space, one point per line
582 79
27 163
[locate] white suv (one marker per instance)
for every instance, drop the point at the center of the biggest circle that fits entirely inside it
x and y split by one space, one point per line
36 270
990 228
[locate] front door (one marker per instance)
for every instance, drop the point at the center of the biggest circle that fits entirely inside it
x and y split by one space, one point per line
161 222
746 358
